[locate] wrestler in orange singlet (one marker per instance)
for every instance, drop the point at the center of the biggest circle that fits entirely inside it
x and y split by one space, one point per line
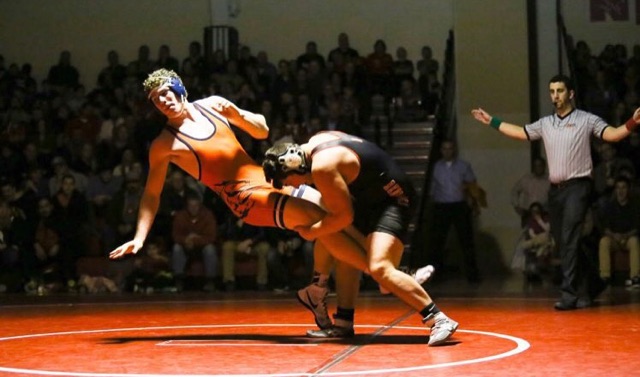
199 140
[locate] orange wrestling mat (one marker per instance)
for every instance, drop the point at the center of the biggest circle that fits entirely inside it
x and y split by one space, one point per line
250 334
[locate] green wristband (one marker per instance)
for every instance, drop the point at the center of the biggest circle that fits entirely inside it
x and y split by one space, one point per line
495 123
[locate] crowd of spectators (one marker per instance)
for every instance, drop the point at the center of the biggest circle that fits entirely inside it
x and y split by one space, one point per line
73 159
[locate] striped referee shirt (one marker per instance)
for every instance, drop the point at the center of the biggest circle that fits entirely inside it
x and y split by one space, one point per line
567 141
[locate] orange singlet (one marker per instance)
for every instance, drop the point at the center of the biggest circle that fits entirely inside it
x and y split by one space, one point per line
226 168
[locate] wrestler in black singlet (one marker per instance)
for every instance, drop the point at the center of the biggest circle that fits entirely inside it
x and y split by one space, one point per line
374 209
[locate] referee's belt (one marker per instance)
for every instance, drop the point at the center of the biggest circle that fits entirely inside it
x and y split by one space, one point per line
569 182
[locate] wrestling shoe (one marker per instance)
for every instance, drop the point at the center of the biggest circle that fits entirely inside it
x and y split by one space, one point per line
314 298
332 332
421 275
442 328
341 329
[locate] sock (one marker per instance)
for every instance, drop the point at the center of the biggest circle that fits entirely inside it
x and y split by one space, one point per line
429 311
344 318
320 279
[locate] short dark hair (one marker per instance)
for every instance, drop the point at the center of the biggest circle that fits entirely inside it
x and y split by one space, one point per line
563 79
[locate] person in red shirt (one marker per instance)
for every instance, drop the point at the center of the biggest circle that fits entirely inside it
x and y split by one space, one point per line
194 231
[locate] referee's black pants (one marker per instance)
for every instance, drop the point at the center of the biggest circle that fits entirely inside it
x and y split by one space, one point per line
568 205
459 216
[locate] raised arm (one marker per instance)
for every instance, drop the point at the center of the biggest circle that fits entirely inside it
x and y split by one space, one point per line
158 164
252 123
511 130
613 134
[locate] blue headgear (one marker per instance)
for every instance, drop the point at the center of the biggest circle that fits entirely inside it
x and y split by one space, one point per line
175 84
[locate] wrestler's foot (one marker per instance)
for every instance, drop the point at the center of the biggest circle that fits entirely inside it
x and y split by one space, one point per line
442 328
341 329
421 275
314 298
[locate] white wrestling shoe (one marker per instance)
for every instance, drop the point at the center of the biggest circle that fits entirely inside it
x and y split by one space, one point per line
421 275
442 328
314 298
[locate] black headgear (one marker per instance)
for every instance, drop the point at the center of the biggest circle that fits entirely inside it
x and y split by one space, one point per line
283 160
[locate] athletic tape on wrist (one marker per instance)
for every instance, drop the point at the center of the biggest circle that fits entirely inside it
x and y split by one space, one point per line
495 123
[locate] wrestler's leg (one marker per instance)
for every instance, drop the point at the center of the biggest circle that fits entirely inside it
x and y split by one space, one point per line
347 277
384 249
300 212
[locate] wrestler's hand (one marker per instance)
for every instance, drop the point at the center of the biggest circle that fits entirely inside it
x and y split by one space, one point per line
226 108
636 115
481 115
131 247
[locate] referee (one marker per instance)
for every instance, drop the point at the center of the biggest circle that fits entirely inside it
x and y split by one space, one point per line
566 136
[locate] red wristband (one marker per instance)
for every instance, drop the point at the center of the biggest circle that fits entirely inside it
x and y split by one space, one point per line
631 124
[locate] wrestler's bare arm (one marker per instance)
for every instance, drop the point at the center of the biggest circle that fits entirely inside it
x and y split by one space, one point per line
159 158
336 197
252 123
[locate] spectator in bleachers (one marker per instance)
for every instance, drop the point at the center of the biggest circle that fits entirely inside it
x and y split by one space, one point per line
13 244
531 188
64 75
428 64
600 95
195 234
36 182
112 119
241 239
630 148
60 171
22 201
12 163
166 60
619 218
287 248
172 200
342 54
72 216
143 65
112 76
151 270
230 80
608 169
284 81
217 63
403 68
102 188
86 161
44 269
310 54
83 127
128 163
123 210
379 68
267 73
194 62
